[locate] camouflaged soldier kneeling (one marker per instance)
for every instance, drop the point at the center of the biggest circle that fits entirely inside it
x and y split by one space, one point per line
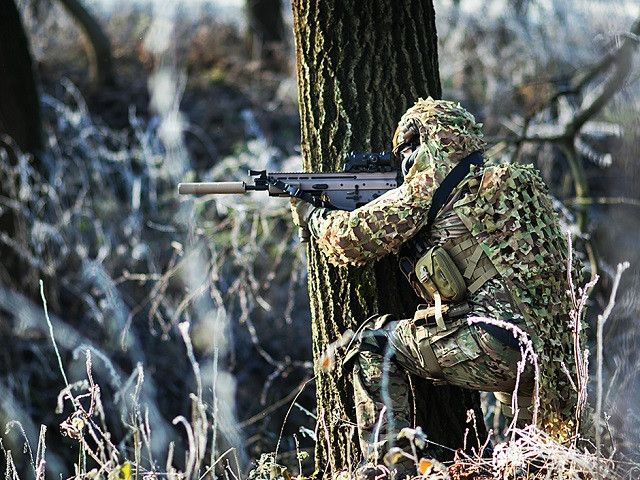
475 239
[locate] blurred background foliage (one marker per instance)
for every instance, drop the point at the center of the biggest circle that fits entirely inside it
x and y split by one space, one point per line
133 97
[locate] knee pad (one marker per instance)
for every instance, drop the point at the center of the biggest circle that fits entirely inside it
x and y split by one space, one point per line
525 405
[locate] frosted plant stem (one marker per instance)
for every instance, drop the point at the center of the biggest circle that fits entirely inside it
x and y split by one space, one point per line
376 433
40 454
53 338
599 352
214 412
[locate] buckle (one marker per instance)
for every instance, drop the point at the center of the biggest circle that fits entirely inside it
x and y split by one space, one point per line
450 311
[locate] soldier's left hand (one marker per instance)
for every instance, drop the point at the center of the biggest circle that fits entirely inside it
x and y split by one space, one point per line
301 212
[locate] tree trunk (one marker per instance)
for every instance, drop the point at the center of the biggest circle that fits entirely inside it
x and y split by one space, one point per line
20 125
97 44
19 103
360 65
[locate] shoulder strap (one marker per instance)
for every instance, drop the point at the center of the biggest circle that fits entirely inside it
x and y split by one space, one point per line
412 249
450 182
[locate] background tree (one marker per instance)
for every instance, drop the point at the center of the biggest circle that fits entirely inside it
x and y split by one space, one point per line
20 120
360 65
96 42
266 32
19 104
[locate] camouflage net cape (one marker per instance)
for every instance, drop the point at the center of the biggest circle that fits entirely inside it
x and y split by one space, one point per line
510 211
507 208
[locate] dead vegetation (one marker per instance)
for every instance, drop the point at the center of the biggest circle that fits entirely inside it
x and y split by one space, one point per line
181 326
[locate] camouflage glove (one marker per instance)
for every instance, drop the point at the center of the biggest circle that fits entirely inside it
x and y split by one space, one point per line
301 212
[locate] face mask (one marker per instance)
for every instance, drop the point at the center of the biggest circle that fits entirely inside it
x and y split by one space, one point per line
408 162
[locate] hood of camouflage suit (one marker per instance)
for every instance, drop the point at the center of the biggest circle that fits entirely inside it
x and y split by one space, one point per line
447 132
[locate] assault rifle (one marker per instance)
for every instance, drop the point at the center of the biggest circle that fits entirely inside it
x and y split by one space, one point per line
365 176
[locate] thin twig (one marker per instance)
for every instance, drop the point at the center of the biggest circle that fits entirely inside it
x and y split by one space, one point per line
599 338
53 338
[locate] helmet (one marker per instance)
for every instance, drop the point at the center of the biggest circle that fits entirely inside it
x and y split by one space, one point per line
452 128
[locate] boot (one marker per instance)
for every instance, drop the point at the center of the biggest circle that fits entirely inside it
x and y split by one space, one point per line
369 471
398 471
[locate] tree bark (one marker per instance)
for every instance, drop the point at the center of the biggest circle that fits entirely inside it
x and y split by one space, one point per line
360 65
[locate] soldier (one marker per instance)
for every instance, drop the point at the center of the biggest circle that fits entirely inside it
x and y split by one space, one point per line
475 239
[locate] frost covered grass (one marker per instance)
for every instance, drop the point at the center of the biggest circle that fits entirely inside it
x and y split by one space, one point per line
160 296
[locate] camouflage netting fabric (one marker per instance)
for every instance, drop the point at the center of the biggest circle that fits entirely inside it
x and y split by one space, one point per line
510 211
447 130
506 207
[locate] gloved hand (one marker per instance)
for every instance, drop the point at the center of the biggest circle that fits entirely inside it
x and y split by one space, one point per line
301 212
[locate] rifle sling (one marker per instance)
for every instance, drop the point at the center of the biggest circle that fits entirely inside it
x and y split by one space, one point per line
451 181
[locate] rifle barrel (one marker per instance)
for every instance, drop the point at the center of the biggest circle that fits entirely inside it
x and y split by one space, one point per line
206 188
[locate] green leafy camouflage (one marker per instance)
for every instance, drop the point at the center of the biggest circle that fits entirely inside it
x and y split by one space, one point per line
447 130
448 133
504 208
509 210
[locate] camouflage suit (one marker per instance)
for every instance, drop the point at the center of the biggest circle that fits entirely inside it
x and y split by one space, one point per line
499 227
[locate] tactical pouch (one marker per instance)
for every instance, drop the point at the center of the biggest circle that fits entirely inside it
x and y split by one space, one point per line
437 273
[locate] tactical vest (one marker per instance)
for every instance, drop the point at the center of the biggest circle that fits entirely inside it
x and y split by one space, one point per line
456 266
468 261
511 232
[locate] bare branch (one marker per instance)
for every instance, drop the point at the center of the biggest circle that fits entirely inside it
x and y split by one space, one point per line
97 41
622 60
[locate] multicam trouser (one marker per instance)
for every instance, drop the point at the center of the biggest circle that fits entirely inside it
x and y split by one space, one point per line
476 356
